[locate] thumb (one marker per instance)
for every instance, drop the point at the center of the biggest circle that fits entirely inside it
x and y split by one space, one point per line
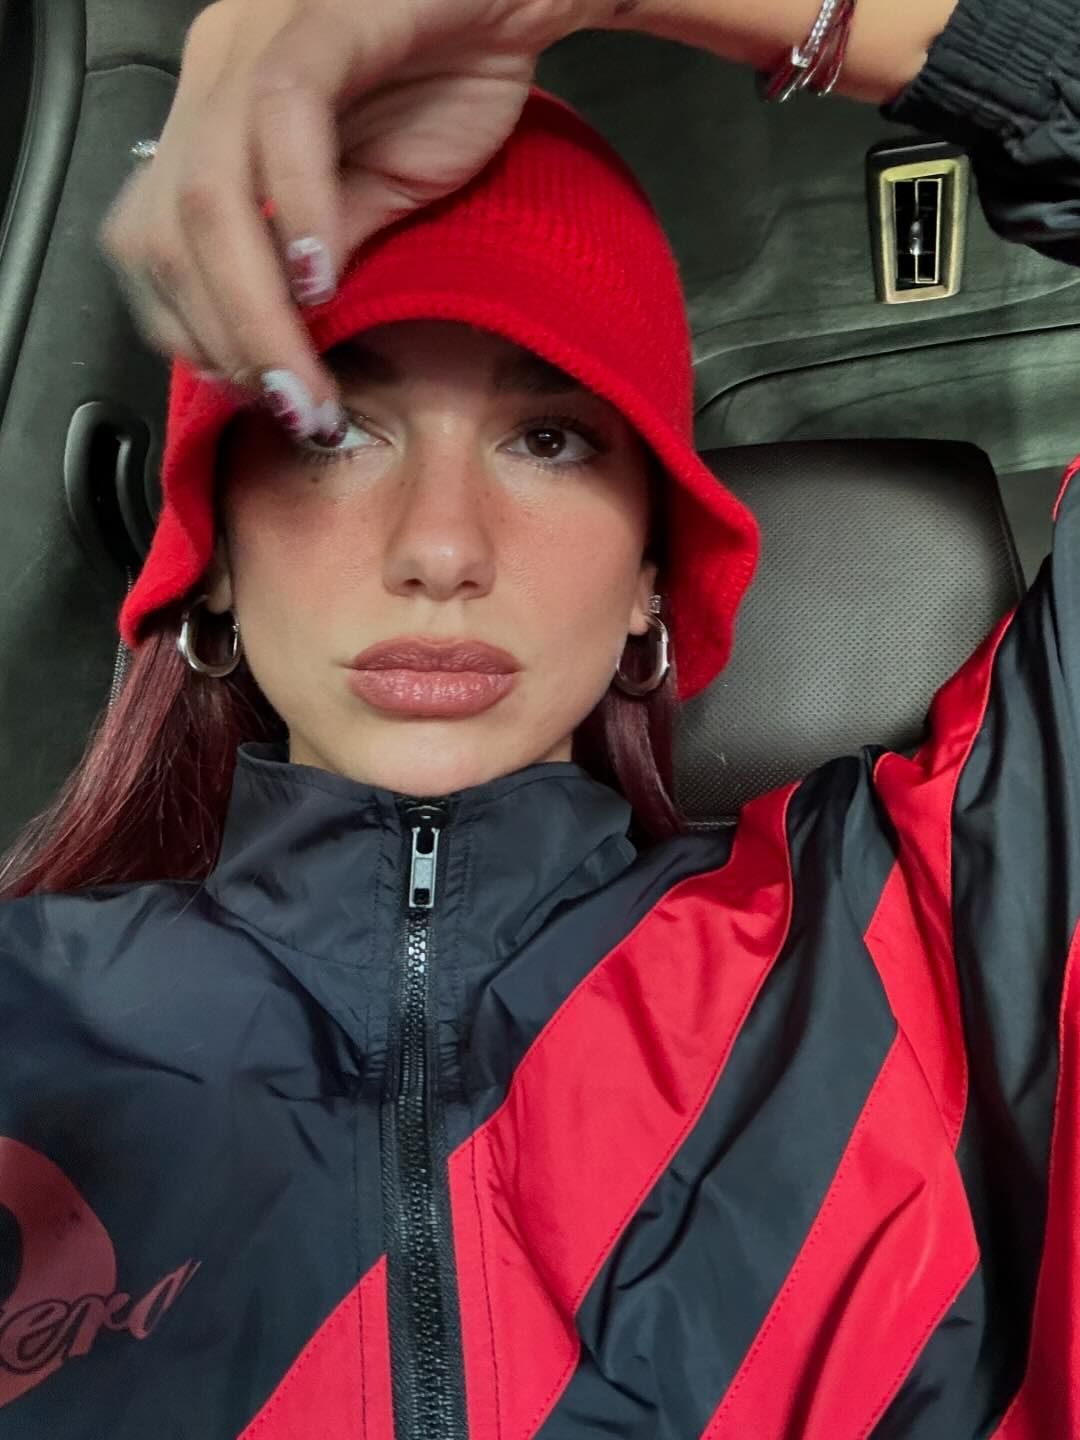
423 140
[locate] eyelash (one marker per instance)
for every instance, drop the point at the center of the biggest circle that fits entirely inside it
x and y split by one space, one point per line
315 455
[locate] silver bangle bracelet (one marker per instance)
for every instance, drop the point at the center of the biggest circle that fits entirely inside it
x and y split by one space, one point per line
816 64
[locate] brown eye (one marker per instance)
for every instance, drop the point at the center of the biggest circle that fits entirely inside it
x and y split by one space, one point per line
546 442
556 444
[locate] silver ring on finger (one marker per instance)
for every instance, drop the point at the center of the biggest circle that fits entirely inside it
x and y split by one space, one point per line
144 149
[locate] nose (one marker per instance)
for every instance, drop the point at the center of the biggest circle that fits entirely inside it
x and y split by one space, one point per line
440 542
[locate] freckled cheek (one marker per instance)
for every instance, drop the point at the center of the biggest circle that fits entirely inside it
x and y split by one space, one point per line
576 578
301 558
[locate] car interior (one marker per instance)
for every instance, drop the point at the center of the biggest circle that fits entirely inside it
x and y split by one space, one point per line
889 385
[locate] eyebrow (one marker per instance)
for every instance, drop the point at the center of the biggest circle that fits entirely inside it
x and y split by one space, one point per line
520 373
525 374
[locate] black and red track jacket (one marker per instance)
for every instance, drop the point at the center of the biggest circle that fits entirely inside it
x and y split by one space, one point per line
461 1118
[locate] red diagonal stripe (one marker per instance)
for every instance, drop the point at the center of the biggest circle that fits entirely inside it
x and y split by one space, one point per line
1071 470
891 1247
1048 1402
596 1111
338 1387
917 967
911 935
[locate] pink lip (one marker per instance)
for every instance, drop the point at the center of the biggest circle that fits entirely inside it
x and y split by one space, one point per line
428 679
445 655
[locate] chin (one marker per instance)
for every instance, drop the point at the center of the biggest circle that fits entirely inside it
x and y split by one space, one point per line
430 759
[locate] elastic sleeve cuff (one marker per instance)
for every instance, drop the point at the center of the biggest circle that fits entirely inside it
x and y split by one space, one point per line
994 70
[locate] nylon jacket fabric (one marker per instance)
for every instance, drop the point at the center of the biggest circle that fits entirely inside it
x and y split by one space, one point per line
772 1133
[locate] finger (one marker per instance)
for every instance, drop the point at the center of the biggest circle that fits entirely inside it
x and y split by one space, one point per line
296 90
168 304
240 271
297 158
183 295
155 317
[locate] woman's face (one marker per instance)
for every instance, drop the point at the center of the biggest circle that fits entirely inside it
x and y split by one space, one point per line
480 496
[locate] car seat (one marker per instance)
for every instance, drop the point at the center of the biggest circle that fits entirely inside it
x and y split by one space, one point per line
884 564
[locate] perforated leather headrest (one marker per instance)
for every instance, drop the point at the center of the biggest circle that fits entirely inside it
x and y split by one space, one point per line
884 565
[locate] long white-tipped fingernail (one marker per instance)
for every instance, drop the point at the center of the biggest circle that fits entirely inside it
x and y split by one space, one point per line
290 402
331 424
311 271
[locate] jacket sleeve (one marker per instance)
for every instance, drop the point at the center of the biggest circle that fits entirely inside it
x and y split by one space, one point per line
1003 81
975 937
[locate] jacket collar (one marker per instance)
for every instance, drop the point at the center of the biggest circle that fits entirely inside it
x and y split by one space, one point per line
316 860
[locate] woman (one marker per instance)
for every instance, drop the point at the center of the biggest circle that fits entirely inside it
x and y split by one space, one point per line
432 1105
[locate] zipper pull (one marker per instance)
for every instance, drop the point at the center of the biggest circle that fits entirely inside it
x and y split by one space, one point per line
426 822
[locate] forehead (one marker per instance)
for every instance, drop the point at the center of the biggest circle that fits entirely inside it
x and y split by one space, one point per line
393 354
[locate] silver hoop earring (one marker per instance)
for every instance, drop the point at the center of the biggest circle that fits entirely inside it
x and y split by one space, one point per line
662 663
186 641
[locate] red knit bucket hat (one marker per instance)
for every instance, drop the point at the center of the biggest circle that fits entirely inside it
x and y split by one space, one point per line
554 247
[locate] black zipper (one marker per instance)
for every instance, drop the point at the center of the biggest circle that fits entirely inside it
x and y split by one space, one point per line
425 1332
